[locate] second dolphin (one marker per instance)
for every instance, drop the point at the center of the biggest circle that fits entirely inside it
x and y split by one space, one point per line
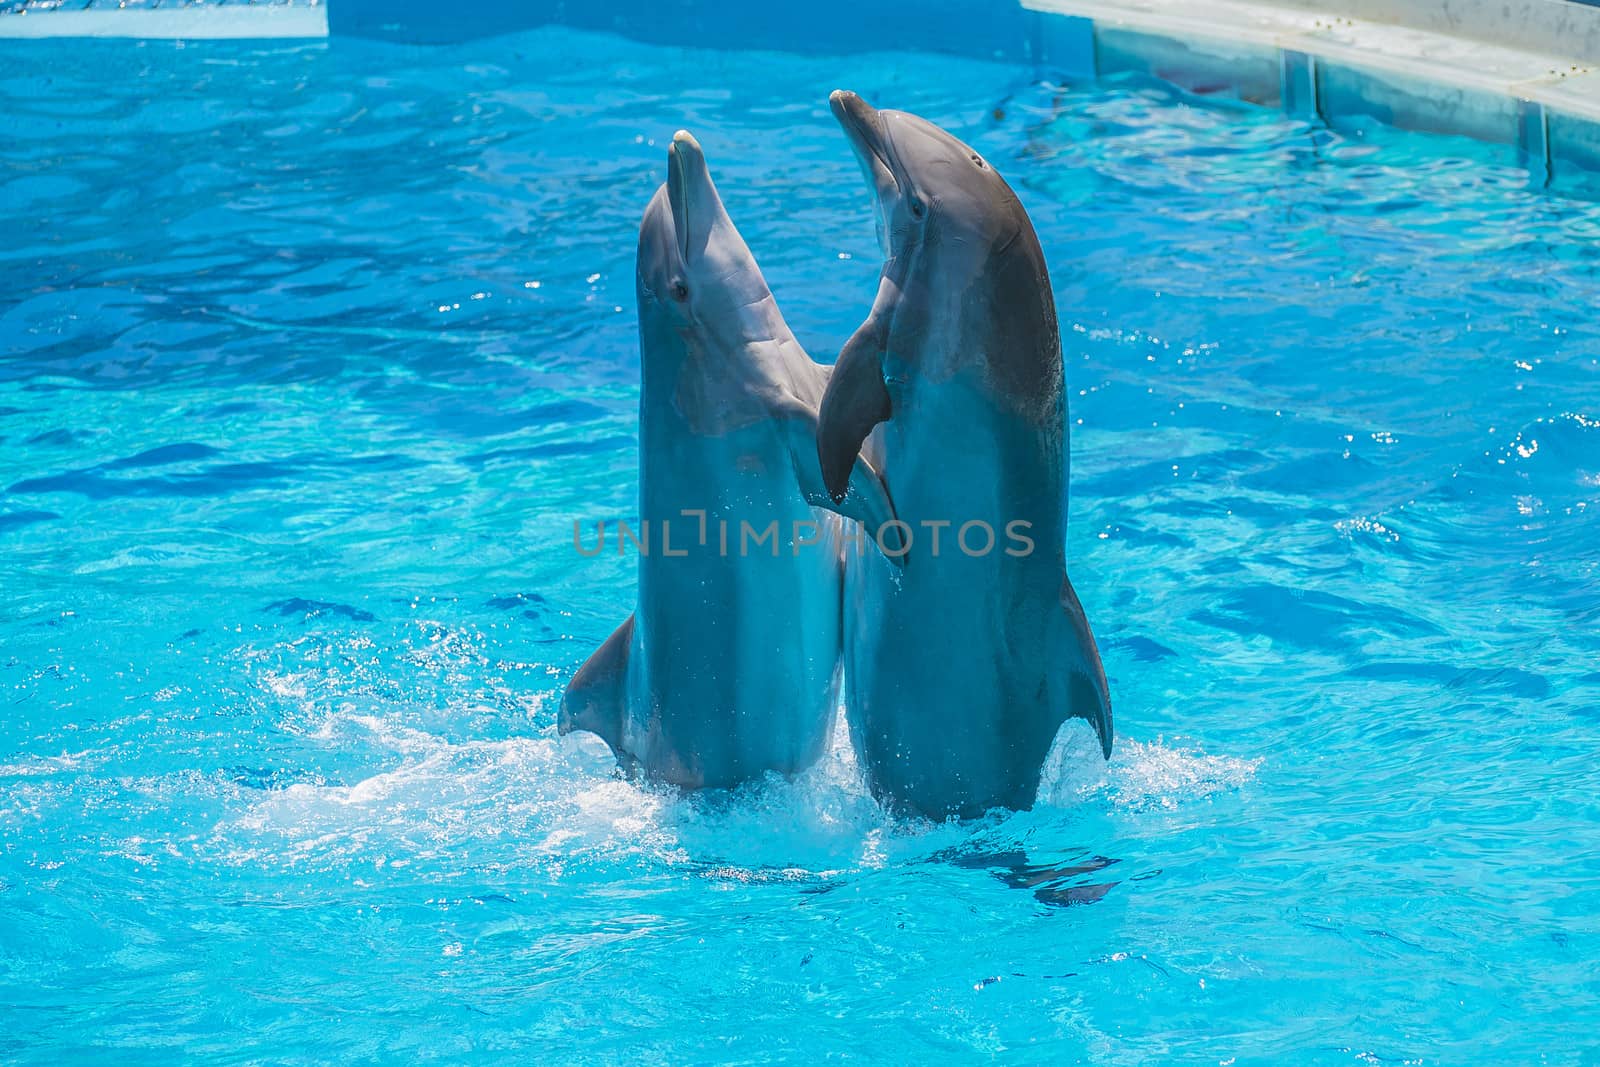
728 667
960 671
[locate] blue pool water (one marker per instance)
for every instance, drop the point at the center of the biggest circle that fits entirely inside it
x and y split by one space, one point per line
311 356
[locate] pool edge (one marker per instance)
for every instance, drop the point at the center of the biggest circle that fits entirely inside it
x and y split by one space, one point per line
218 22
1334 68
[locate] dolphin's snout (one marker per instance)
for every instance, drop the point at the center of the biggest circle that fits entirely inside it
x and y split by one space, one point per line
859 118
691 192
864 126
843 100
685 146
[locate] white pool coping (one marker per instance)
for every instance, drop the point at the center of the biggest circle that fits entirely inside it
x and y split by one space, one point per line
190 22
1545 27
1334 67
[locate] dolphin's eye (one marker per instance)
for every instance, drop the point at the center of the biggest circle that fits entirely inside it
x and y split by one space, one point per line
680 292
918 208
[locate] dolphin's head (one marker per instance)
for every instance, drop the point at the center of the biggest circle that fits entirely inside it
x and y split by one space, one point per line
695 273
930 187
955 274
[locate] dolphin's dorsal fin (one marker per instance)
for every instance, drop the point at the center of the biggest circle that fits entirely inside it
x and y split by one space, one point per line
866 498
1088 697
596 698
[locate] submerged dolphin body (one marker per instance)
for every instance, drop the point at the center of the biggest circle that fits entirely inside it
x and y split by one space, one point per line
960 671
728 667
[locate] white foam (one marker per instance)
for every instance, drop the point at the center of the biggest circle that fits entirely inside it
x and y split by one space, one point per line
38 766
549 803
1140 775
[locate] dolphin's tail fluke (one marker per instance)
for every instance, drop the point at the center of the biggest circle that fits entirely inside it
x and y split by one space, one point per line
1087 694
596 698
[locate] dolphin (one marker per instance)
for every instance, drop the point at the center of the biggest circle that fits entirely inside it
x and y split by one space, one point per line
960 669
728 667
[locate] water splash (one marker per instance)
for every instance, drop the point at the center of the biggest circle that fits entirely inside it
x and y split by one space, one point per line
1140 776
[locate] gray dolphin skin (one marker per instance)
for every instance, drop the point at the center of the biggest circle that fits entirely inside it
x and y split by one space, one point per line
729 666
960 670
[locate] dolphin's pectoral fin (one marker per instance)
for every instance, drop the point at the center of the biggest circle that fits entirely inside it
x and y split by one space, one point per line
596 698
1087 694
866 498
855 401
